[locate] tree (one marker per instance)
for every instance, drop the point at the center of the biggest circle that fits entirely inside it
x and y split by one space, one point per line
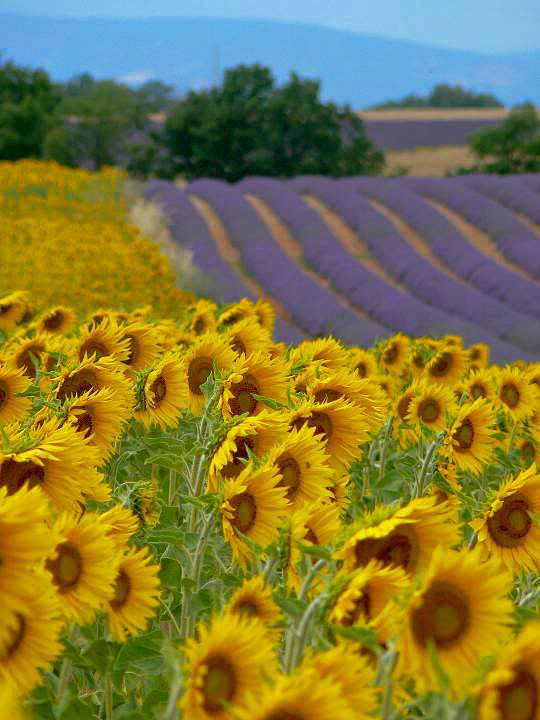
444 96
248 126
27 102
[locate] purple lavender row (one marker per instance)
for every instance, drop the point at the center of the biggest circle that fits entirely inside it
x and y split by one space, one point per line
401 311
314 307
190 231
512 191
516 242
409 134
435 286
532 180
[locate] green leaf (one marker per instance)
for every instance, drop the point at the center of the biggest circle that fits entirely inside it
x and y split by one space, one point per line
100 653
268 401
167 536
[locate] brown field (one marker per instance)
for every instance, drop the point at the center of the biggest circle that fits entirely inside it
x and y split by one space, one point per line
427 162
435 114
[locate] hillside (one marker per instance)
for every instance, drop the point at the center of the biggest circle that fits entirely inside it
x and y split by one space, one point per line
353 68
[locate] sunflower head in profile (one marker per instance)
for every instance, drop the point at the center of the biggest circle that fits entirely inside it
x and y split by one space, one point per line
350 670
258 434
254 375
516 395
529 449
13 381
508 529
340 425
202 318
404 537
406 437
12 309
265 314
362 362
277 350
225 666
511 690
461 611
421 350
121 524
135 594
253 505
77 378
103 339
253 599
394 353
430 406
247 336
242 310
28 354
58 320
387 384
470 439
143 345
199 361
478 356
164 393
328 352
480 384
447 365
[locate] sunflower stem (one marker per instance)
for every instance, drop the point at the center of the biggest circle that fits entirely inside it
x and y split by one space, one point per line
387 712
384 451
418 490
108 697
172 486
187 623
299 636
171 712
65 669
309 578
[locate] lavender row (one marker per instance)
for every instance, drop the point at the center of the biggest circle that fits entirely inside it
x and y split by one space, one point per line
401 310
436 286
408 134
515 241
190 231
511 191
315 308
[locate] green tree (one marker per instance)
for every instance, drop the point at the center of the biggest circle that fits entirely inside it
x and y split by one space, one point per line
27 102
248 126
444 96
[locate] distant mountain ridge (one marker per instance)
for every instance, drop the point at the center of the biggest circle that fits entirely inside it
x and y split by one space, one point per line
192 53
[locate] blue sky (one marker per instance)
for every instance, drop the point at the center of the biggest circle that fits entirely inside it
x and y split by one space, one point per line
493 26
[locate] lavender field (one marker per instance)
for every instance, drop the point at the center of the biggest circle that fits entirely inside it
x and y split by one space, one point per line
361 258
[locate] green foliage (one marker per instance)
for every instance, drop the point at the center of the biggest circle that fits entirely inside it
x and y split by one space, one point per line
249 126
443 96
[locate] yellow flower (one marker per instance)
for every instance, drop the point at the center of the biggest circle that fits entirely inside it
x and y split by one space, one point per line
470 442
462 611
104 339
143 345
12 309
225 665
478 356
430 405
362 362
517 396
121 524
447 366
203 318
393 357
265 314
11 703
136 594
329 352
210 348
256 374
165 394
91 375
12 382
479 384
507 529
254 600
57 321
237 312
247 336
26 353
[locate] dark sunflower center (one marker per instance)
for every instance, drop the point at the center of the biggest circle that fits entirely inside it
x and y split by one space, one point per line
219 685
247 608
122 590
284 714
245 511
443 616
361 609
242 400
442 365
199 326
528 451
159 388
4 309
232 319
66 568
311 537
238 346
290 475
77 384
235 466
390 354
322 424
478 391
4 392
134 349
510 395
13 475
199 370
361 369
518 700
24 360
464 435
93 347
53 321
419 361
403 406
509 525
327 395
475 354
14 638
85 424
396 549
429 410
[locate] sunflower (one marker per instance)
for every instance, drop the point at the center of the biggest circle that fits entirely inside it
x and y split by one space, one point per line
516 395
83 566
342 427
329 352
339 491
12 382
478 356
100 417
386 383
393 357
238 311
164 394
91 375
511 690
406 437
351 671
203 318
29 634
12 309
121 524
246 337
254 600
258 433
26 353
136 594
302 696
447 365
405 537
103 339
469 442
199 359
265 314
507 529
366 597
253 505
11 703
253 375
277 350
479 384
225 665
462 611
302 464
421 350
529 450
57 321
362 362
430 405
143 345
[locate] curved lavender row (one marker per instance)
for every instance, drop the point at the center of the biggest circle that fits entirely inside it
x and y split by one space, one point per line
189 230
315 308
512 191
455 297
515 241
401 310
532 180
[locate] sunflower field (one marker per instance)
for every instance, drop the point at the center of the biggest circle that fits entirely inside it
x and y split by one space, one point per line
199 522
